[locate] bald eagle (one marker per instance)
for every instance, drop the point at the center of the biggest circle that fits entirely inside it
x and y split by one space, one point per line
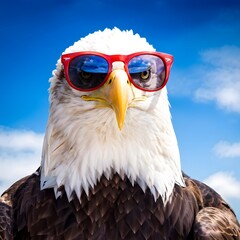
110 165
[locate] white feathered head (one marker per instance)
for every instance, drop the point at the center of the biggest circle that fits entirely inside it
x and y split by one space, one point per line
114 128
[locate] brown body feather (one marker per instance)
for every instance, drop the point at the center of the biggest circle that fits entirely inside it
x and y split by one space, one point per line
115 209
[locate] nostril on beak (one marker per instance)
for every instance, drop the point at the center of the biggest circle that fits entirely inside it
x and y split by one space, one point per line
110 81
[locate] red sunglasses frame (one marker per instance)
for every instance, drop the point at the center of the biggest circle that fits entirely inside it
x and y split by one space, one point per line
166 58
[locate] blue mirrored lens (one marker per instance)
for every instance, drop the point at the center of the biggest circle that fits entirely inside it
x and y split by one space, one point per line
88 71
147 71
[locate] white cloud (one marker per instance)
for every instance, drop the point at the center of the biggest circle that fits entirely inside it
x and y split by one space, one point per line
225 149
221 80
215 79
225 184
20 155
20 140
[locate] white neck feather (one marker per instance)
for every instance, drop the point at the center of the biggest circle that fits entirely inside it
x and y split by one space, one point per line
82 143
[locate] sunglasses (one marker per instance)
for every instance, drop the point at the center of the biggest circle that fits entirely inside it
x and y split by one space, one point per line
88 71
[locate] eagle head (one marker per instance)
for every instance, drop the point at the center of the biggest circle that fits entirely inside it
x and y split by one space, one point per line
107 116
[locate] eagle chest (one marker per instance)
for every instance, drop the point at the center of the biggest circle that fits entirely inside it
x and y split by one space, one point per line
114 209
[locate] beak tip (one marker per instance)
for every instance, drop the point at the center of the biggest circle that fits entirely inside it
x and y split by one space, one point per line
120 126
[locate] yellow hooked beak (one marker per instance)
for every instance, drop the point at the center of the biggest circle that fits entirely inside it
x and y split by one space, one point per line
115 94
116 90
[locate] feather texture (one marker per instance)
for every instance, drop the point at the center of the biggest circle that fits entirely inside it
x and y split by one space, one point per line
116 209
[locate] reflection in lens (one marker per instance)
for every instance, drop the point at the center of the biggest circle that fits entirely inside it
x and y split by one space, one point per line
153 65
88 71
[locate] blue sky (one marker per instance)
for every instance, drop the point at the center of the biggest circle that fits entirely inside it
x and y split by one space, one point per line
204 86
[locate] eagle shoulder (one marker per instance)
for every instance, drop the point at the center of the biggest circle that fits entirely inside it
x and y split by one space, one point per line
6 210
215 218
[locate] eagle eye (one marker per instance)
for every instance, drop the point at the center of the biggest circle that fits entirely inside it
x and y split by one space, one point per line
85 75
145 75
87 72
